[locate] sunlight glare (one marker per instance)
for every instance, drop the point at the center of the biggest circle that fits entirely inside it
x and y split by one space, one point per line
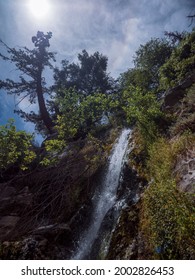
39 8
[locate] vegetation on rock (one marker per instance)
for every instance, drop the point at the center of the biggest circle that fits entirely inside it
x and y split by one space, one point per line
15 147
81 119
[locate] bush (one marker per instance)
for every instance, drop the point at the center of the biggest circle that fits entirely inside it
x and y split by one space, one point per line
144 109
15 147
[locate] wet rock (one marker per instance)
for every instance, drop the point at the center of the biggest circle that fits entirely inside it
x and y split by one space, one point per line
124 243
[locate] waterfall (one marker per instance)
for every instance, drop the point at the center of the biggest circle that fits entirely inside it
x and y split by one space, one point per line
105 197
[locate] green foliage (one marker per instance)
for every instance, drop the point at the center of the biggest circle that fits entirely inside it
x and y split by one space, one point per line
53 148
67 125
80 114
168 214
136 77
87 77
77 117
180 64
144 109
153 54
69 114
30 84
184 114
149 58
94 153
93 108
15 147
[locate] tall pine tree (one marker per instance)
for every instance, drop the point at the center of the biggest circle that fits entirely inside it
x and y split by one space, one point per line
31 83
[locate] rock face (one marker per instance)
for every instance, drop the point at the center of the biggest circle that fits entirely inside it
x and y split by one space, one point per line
175 94
13 202
42 211
126 241
27 229
185 170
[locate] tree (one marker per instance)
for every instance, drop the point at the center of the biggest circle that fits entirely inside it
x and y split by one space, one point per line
31 84
136 77
150 57
86 77
175 37
180 64
191 18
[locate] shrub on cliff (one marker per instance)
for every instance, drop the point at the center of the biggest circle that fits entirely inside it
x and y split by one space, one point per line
185 114
167 218
15 147
143 109
180 64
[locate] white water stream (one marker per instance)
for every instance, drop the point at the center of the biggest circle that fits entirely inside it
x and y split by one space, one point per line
104 199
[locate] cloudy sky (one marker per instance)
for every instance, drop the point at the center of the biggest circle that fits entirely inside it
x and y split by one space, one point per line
115 28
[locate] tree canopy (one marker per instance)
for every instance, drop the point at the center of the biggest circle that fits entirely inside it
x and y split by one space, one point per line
147 62
88 76
180 64
31 83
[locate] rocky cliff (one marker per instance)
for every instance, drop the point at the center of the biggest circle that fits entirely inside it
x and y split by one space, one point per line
42 212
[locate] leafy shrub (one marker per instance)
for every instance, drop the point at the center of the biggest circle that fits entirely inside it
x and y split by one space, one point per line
15 147
144 109
53 148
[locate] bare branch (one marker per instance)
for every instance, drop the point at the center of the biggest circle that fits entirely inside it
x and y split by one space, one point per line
191 18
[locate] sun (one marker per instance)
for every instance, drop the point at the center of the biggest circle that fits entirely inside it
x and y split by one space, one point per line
39 8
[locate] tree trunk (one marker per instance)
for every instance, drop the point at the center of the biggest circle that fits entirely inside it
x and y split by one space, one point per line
43 110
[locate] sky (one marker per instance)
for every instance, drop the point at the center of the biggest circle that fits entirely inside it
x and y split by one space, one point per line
115 28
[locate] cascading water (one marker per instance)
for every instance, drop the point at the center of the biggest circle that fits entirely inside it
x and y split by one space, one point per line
105 198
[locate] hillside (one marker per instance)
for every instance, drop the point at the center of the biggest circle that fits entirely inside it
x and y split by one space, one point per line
48 192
